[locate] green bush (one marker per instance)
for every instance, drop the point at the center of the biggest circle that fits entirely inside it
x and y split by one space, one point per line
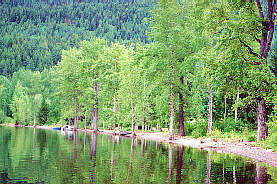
250 135
2 117
271 140
81 124
188 128
199 128
230 125
9 120
216 133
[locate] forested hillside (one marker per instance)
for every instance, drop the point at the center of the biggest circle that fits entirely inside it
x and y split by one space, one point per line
209 70
34 33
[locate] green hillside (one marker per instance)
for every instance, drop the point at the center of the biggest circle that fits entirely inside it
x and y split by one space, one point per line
34 33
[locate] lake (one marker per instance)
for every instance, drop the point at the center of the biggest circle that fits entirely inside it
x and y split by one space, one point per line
30 155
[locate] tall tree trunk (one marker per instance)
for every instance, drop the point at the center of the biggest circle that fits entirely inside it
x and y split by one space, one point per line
26 115
35 115
145 127
114 110
225 110
181 110
171 130
114 107
169 163
210 113
95 106
69 123
262 129
210 122
133 113
85 126
179 164
265 44
75 117
236 110
143 113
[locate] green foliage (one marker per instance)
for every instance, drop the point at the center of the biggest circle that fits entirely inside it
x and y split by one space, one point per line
196 128
251 135
34 34
10 120
208 44
271 141
43 113
230 125
2 117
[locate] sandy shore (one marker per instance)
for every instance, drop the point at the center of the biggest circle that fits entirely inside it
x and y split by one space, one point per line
246 149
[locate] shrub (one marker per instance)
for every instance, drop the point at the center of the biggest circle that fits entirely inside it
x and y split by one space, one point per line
271 140
216 133
230 125
2 117
199 128
188 128
9 120
250 135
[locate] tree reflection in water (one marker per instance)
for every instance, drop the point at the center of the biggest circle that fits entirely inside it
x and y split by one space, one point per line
261 174
93 156
180 152
169 163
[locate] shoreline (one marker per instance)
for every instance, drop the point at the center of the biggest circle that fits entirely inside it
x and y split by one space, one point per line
245 149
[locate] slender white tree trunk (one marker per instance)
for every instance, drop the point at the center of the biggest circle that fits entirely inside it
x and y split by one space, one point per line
85 126
75 118
143 113
35 115
133 113
225 110
236 110
171 130
210 122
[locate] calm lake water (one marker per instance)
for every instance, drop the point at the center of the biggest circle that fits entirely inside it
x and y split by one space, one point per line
30 155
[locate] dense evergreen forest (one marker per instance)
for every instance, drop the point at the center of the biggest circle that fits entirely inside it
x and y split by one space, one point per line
196 67
34 33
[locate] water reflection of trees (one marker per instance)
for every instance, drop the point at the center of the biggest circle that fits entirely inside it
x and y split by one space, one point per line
180 152
93 156
261 174
49 157
169 163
